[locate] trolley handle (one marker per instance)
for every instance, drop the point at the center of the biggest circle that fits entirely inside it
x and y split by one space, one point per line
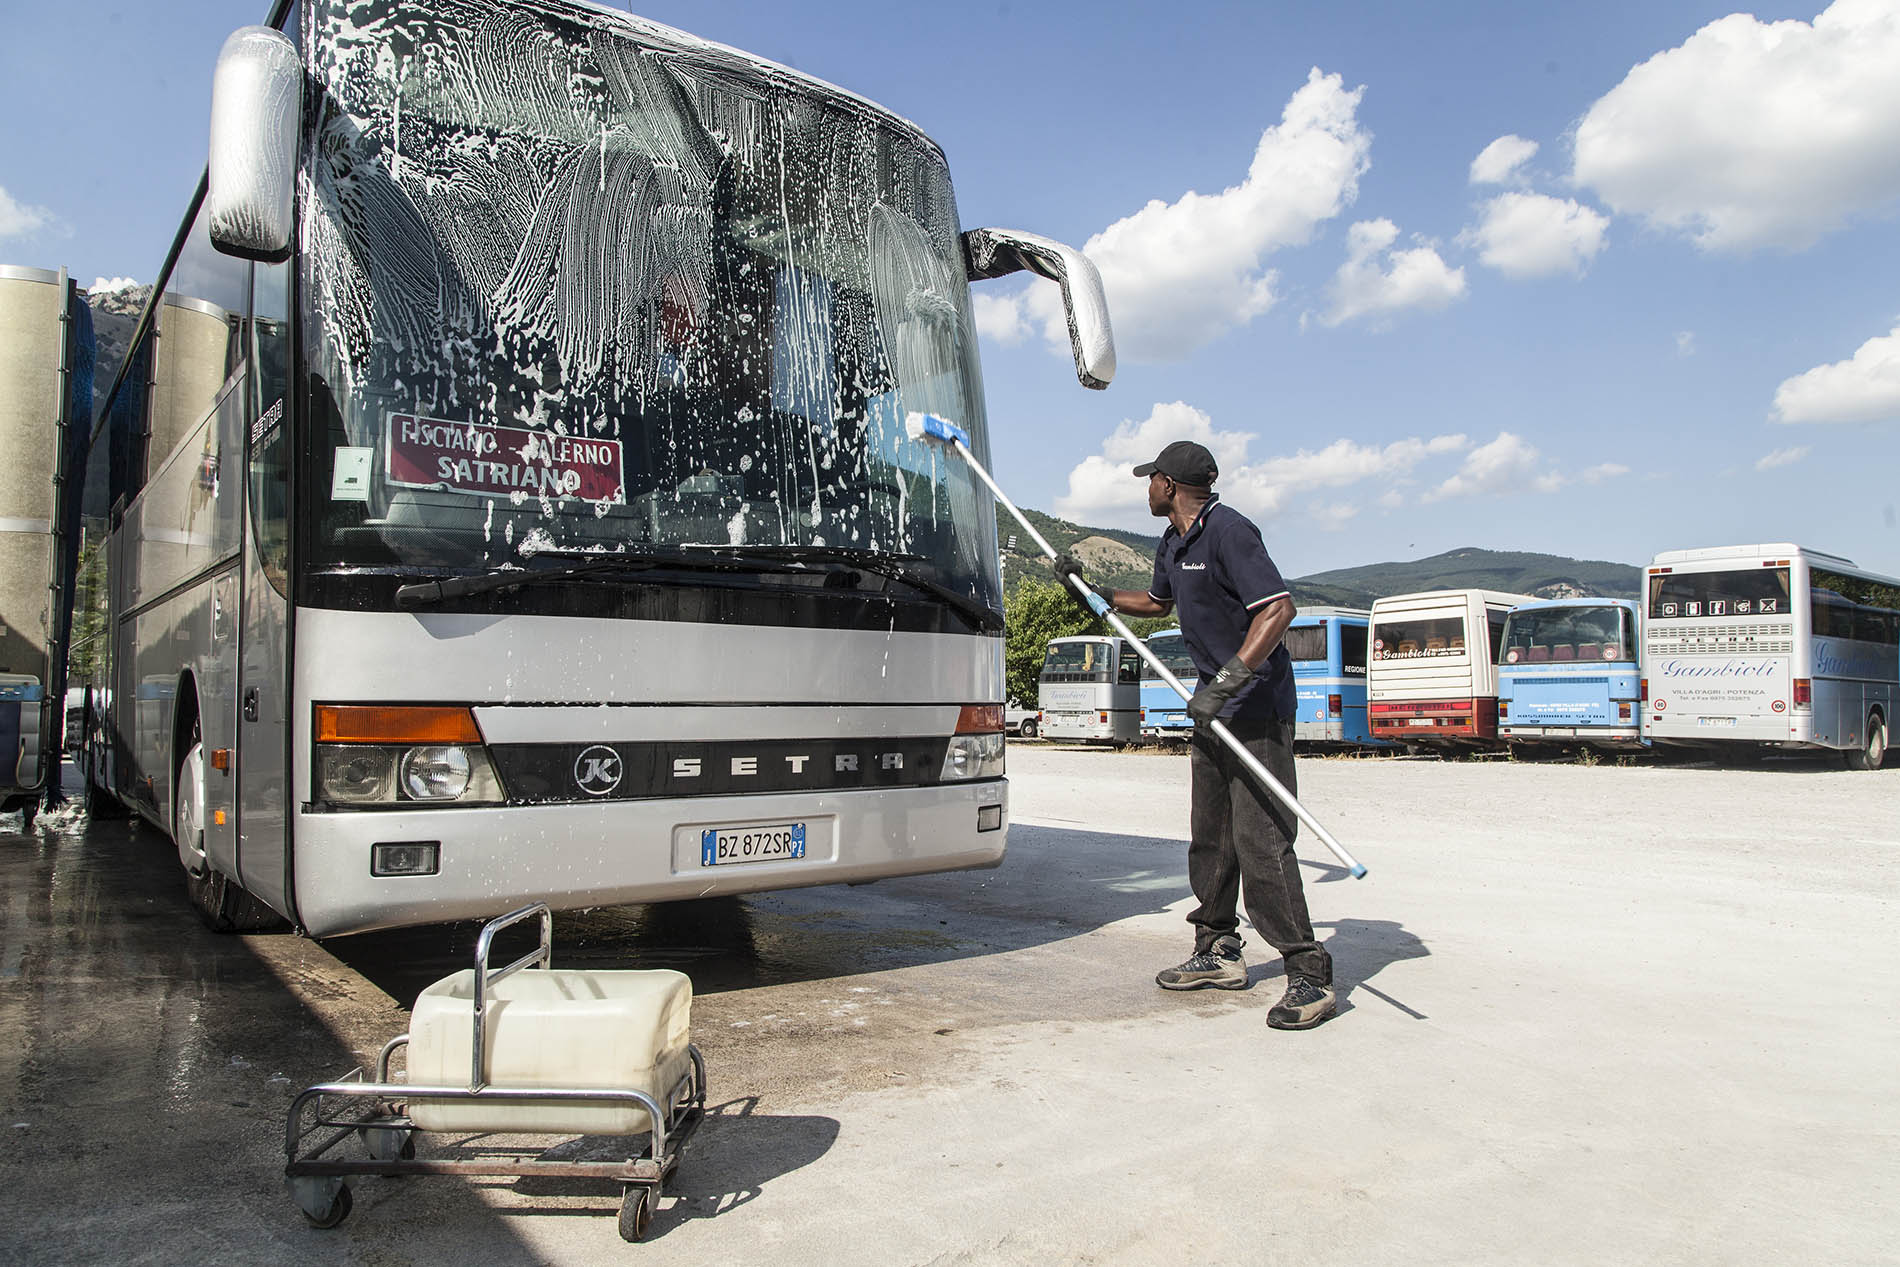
542 954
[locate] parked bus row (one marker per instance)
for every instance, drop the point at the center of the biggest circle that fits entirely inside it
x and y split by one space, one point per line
1769 646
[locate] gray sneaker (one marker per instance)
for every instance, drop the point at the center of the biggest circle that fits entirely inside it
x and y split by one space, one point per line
1305 1004
1219 966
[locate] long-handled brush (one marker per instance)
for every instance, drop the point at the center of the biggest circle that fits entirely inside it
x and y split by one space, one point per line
921 426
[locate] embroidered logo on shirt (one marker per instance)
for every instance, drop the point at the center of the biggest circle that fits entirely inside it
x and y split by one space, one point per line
1194 567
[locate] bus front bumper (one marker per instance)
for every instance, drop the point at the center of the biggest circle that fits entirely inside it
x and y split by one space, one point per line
494 859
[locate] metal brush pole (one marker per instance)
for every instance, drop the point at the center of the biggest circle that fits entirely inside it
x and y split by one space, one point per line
958 439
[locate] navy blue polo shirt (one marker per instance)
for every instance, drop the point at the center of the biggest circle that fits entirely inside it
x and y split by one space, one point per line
1218 577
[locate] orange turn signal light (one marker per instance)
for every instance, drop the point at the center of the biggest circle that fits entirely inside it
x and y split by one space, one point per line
395 723
980 719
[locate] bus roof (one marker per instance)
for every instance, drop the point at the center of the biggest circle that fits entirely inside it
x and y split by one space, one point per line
1445 598
1540 604
1086 638
1773 549
1312 615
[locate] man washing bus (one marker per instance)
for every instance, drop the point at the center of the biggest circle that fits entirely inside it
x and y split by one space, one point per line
1234 607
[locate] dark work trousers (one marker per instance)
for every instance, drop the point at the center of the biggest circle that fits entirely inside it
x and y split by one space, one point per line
1243 842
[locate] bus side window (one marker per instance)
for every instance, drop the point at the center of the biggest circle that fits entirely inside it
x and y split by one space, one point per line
1497 635
268 465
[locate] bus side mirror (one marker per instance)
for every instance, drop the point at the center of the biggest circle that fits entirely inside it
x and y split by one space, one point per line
256 105
989 253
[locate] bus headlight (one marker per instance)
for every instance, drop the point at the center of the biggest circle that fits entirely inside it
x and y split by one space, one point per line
976 749
436 773
356 775
973 757
402 755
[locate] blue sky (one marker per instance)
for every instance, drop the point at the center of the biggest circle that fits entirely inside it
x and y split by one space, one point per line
1662 311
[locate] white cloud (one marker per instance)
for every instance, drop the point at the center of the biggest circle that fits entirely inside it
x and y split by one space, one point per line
17 219
1180 274
1753 133
107 285
1781 457
1603 471
1534 235
1379 282
999 318
1865 388
1498 162
1333 516
1103 489
1506 465
1685 343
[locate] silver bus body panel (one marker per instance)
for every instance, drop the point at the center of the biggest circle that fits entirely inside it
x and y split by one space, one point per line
492 660
620 852
551 679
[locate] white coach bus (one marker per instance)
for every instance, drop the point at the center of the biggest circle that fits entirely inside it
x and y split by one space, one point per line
512 493
1089 690
1771 645
1433 676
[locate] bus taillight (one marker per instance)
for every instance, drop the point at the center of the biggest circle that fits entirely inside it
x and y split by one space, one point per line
1803 692
1335 706
1645 690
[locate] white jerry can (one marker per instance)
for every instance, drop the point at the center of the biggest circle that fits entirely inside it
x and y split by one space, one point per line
598 1031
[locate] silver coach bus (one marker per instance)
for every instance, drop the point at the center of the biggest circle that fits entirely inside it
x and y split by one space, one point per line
513 499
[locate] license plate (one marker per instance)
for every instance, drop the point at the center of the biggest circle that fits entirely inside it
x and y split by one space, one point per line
1715 721
773 842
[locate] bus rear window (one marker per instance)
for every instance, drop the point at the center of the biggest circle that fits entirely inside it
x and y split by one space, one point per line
1352 647
1077 662
1172 652
1411 639
1306 642
1722 595
1568 633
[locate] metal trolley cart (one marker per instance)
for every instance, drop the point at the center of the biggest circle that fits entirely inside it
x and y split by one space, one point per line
382 1114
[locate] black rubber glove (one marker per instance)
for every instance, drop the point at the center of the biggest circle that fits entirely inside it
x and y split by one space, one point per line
1211 698
1066 565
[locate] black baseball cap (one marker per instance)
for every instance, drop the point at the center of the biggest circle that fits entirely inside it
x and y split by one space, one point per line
1184 462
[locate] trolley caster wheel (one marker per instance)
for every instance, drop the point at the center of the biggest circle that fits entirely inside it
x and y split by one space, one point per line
324 1201
388 1143
636 1212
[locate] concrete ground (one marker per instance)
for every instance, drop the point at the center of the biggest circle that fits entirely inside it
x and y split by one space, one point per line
1591 1014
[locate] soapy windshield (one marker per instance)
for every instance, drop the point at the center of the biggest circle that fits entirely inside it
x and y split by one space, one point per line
574 282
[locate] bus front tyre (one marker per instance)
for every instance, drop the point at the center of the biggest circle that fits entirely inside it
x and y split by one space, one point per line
1029 728
1874 751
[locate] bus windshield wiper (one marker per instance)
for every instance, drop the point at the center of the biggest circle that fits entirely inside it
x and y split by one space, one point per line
419 593
884 563
592 563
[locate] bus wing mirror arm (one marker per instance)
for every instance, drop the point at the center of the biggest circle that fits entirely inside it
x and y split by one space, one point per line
989 253
256 107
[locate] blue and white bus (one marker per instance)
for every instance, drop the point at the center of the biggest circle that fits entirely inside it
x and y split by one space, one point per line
1568 673
1163 713
1328 648
1774 646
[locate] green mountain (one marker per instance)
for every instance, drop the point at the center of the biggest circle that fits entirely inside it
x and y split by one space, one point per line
1125 560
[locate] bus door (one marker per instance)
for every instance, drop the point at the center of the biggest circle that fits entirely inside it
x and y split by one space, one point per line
263 780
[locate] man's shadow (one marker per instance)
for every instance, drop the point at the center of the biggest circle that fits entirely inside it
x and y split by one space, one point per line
1361 948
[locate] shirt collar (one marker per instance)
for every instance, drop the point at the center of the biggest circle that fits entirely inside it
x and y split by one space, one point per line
1201 519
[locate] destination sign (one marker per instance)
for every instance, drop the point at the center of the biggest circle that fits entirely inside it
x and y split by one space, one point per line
489 461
